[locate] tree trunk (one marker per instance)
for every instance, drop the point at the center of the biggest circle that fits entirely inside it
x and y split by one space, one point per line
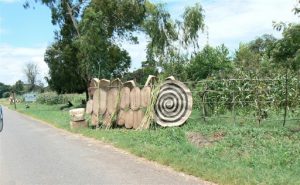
86 95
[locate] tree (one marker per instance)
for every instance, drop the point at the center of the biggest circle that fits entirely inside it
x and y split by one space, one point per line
208 62
254 57
141 75
102 23
4 89
85 47
286 51
297 8
86 44
31 72
166 36
18 87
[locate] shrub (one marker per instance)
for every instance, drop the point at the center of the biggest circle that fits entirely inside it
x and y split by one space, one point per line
51 98
5 95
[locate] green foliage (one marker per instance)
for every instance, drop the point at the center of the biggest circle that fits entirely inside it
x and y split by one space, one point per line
100 57
51 98
167 37
18 87
297 8
3 90
208 62
5 94
193 23
65 76
286 52
255 55
243 154
85 47
140 75
250 98
31 72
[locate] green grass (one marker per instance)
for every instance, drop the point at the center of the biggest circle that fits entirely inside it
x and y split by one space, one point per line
247 154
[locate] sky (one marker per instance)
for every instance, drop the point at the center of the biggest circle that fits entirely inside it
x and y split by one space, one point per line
26 33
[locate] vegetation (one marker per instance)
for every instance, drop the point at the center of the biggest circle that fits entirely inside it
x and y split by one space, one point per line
259 80
218 151
31 72
52 98
3 90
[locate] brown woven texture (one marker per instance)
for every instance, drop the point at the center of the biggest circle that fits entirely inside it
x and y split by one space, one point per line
125 98
129 119
137 118
121 118
145 97
112 100
94 120
96 102
135 98
103 101
89 107
107 119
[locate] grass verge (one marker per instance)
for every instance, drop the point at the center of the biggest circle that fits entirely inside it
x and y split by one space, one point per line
236 154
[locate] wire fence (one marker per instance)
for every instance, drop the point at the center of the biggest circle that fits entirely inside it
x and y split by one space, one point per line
259 100
251 99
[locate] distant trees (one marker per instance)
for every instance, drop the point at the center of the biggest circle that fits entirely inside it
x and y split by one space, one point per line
87 45
286 51
4 90
31 72
209 62
18 87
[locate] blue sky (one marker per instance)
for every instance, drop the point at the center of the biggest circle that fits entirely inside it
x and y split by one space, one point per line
25 33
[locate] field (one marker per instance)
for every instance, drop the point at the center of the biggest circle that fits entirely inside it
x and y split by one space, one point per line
217 151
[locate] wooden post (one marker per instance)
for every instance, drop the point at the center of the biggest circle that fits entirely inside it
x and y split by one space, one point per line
286 96
203 103
233 107
14 99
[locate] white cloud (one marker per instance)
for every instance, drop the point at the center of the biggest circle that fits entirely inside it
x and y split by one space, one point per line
229 22
13 60
234 21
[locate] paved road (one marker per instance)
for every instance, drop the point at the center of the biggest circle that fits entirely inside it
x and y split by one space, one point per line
35 153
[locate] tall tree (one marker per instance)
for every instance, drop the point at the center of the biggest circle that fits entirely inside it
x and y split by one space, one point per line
208 62
167 38
103 23
31 72
85 47
286 51
18 87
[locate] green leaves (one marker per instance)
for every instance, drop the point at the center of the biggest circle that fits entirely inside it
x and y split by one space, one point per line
193 23
286 52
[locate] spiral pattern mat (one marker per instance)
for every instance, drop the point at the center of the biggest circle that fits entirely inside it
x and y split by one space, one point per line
174 104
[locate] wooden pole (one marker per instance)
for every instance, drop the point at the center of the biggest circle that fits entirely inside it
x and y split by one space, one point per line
286 96
233 107
14 99
203 103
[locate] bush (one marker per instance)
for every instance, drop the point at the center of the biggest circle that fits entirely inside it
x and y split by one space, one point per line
5 95
51 98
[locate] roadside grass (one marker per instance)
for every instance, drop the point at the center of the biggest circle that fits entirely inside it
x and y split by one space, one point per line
243 154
